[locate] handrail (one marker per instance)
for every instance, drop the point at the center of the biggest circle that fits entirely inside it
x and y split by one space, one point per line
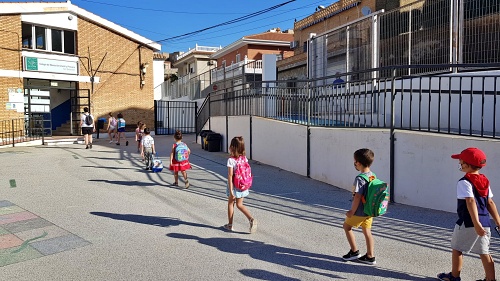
19 130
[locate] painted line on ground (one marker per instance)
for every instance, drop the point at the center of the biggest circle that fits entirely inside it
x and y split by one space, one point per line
25 243
12 183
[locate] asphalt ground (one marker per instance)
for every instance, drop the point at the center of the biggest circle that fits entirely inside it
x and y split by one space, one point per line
70 213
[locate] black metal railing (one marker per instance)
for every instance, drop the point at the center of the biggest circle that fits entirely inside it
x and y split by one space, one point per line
452 103
19 130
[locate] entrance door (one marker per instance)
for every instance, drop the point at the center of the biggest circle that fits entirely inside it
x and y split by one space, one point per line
79 100
37 107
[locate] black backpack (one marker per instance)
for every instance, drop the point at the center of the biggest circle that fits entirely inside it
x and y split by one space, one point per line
88 120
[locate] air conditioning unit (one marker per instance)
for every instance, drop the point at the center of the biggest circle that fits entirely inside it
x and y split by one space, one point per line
294 44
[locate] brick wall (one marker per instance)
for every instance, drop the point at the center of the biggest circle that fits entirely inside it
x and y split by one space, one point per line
119 89
10 59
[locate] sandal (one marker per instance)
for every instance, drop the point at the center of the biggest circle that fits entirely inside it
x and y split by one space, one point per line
253 226
228 227
175 184
447 277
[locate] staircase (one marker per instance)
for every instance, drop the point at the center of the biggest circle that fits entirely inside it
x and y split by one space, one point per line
63 130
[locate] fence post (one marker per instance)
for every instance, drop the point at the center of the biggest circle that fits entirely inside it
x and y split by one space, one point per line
13 134
392 138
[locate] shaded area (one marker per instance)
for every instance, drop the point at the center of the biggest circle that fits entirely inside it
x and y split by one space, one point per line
294 259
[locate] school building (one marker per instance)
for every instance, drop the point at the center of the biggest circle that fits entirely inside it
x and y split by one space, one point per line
56 58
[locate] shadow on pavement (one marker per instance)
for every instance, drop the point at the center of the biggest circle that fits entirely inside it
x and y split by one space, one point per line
151 220
294 259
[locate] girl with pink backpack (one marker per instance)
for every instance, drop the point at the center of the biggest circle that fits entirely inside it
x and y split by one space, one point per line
239 180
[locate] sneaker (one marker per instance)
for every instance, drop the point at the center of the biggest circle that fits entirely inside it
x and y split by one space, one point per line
351 255
147 168
117 143
110 141
90 145
87 147
448 276
186 184
126 143
367 260
175 184
253 226
228 227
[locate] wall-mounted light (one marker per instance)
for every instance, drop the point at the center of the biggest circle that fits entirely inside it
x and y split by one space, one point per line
144 68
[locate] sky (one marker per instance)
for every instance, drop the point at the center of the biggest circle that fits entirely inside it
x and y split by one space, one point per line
165 20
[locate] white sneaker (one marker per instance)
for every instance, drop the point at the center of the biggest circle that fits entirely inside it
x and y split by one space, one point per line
111 141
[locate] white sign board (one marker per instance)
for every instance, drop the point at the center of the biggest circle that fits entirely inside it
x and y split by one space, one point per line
50 65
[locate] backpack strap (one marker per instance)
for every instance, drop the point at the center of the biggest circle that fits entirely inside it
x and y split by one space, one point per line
365 177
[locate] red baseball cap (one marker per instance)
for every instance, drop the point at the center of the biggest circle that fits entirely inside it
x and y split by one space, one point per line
472 156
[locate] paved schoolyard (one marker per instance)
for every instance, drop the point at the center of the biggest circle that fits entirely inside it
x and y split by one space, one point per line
67 213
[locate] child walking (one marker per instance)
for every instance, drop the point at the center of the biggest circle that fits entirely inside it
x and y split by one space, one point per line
121 130
147 148
138 135
356 217
474 207
235 196
179 159
111 127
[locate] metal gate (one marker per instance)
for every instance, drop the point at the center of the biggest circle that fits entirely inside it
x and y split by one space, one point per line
175 115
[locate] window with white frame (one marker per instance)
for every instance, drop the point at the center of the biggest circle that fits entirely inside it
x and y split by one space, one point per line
238 58
49 39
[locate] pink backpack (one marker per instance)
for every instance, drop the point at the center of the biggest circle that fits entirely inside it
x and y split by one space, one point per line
242 178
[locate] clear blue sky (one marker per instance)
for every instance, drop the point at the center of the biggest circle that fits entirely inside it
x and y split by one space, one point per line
162 19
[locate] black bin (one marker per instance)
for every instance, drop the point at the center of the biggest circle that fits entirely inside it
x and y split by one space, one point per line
214 142
203 135
100 123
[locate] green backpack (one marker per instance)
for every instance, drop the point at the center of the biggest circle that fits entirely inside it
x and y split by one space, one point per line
375 197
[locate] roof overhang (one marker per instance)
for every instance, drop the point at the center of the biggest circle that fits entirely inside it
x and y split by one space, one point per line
58 7
244 41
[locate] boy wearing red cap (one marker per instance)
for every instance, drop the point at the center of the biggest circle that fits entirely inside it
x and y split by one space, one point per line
474 207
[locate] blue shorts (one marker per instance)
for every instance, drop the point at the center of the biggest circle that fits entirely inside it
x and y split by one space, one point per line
237 193
121 130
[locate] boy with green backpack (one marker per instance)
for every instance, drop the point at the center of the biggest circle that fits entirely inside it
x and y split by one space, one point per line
370 199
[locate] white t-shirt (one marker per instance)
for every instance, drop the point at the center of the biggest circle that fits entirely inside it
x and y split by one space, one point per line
147 141
83 120
464 190
231 163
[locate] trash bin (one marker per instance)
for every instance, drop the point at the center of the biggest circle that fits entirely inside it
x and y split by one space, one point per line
100 123
214 142
203 134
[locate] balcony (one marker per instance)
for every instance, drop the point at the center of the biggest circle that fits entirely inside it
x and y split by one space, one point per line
237 69
198 49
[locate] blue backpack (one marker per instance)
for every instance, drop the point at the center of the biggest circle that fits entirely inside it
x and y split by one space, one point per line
181 152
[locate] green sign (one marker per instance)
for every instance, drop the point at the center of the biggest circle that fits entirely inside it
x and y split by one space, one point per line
32 64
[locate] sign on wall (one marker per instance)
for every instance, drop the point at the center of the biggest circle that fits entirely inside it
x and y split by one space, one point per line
50 65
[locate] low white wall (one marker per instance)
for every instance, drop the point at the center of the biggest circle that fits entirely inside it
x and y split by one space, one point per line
332 154
425 174
280 144
239 126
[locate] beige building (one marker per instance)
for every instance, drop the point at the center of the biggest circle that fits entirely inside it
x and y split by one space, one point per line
52 52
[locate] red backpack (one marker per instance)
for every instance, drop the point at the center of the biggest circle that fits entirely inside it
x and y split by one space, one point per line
242 178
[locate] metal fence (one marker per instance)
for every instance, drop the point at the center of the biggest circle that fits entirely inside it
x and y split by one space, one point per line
175 115
461 104
20 130
421 33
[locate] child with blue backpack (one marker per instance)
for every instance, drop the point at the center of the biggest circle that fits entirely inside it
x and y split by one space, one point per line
356 217
179 159
238 183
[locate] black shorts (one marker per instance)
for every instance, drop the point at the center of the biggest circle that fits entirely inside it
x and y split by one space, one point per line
87 130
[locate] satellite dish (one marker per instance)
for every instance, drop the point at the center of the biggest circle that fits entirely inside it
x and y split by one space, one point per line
366 11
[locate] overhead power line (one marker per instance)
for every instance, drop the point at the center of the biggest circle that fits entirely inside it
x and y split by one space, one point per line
227 22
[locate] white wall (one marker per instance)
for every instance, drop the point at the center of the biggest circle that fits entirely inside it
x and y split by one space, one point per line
63 20
425 174
332 151
239 126
280 144
158 76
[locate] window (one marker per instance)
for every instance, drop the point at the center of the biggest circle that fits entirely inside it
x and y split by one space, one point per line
69 42
238 58
57 40
43 38
40 38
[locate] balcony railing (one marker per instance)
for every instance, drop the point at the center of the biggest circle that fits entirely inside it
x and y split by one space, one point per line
237 69
199 49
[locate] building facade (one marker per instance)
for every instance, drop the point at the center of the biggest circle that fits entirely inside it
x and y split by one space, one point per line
57 58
